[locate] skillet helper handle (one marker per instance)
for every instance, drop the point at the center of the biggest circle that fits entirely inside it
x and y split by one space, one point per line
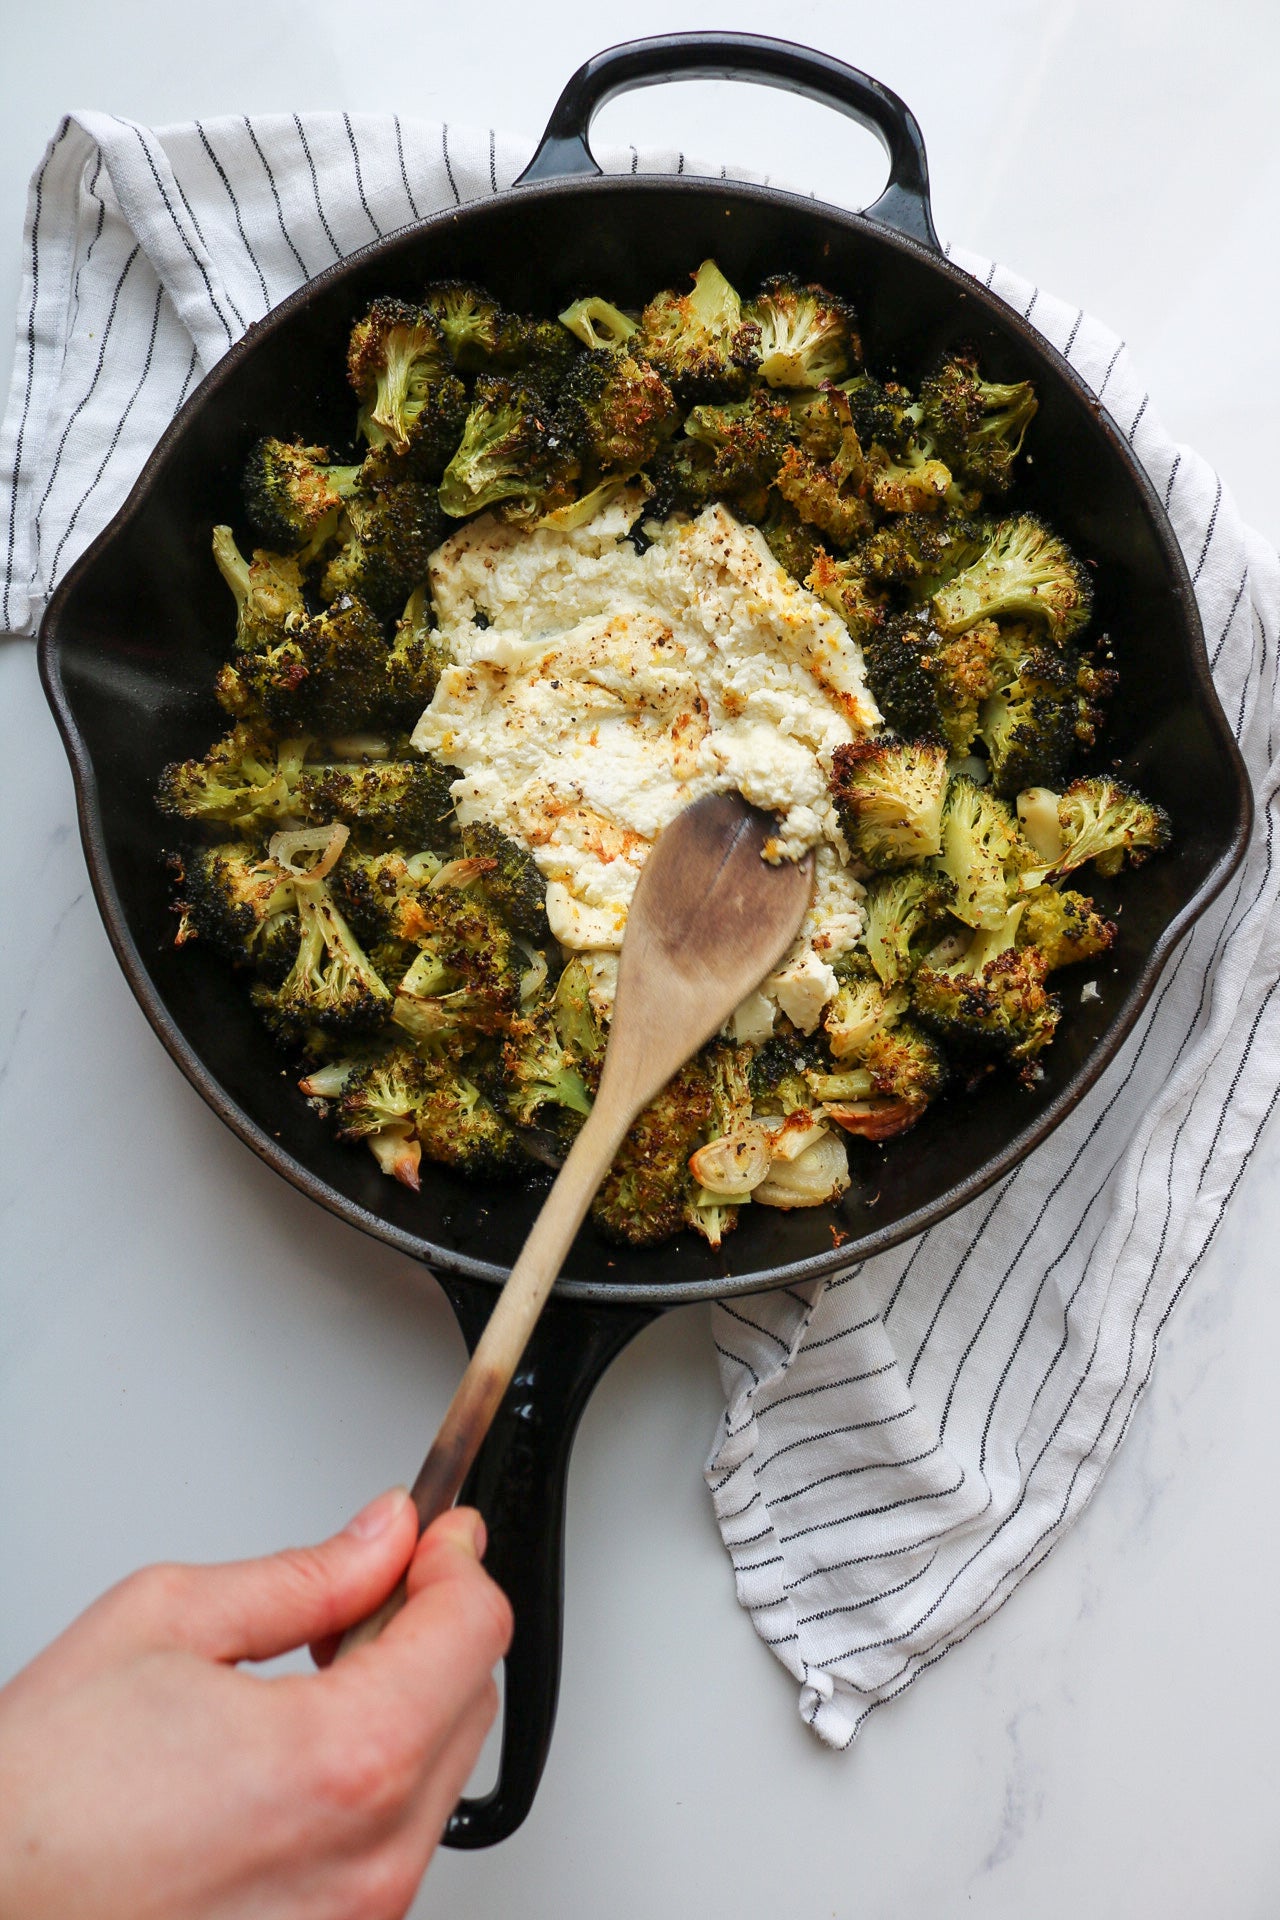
518 1483
565 146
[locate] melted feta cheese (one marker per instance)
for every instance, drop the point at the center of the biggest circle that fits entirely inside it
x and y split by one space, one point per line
596 691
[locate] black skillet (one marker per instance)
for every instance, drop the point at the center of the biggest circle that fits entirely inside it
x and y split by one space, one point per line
132 638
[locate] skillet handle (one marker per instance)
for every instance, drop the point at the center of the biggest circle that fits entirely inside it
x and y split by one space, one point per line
518 1483
565 146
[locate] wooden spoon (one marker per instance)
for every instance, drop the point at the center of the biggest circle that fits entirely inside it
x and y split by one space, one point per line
709 919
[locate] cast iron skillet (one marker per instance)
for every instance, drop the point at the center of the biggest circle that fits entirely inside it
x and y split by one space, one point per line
133 636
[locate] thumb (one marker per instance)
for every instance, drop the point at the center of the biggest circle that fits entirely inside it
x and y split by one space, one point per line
255 1609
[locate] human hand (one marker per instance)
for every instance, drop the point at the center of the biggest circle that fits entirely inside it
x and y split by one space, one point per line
144 1776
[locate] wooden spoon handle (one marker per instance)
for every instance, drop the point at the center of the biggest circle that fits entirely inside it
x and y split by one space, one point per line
504 1339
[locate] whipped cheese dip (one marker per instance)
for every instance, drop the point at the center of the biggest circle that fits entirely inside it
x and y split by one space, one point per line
597 690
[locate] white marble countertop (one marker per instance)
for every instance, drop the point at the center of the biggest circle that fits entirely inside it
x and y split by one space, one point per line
195 1362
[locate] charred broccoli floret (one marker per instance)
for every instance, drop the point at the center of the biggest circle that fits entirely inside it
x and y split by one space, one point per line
829 494
460 1128
292 493
388 533
615 411
465 980
328 673
268 592
404 801
747 441
647 1190
576 1020
982 853
793 543
682 475
1065 926
992 996
894 653
244 780
1035 722
1105 821
910 481
901 912
965 670
700 341
395 359
777 1071
1024 573
381 895
540 1070
889 794
864 1007
900 1062
511 879
862 604
332 983
414 661
513 455
238 903
916 547
403 1099
378 1103
978 425
881 412
808 336
598 323
483 337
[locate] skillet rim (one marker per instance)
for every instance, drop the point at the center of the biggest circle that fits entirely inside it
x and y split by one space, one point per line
619 1292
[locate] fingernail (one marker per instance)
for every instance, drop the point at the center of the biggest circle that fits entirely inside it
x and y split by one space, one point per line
479 1536
378 1515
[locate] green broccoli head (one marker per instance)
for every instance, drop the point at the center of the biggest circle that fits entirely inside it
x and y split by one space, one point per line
682 475
404 802
1065 926
700 341
426 1099
889 795
808 336
645 1194
513 454
332 985
880 411
614 411
466 978
1040 717
268 592
982 853
239 903
510 879
388 533
978 425
915 548
911 481
902 912
245 780
1025 572
992 997
747 441
395 356
1105 821
293 494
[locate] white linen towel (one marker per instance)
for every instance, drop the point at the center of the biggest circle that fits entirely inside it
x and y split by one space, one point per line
901 1444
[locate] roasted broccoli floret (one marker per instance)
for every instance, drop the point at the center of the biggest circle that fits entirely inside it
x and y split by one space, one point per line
483 337
381 895
614 411
387 533
332 983
881 412
292 494
807 335
747 440
1105 821
777 1071
460 1128
513 455
1036 721
901 912
244 780
540 1070
396 357
829 494
889 795
466 978
862 604
511 879
268 592
964 671
424 1099
910 481
378 1103
390 801
992 996
598 323
576 1020
682 475
414 661
699 341
978 425
793 543
1065 926
982 853
328 673
647 1190
864 1007
900 1062
915 547
239 903
1024 573
893 651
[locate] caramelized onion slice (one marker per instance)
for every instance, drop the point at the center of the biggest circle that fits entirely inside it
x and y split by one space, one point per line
328 842
735 1164
818 1175
875 1119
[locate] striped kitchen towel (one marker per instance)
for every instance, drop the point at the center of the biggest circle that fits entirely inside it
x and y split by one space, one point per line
903 1443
